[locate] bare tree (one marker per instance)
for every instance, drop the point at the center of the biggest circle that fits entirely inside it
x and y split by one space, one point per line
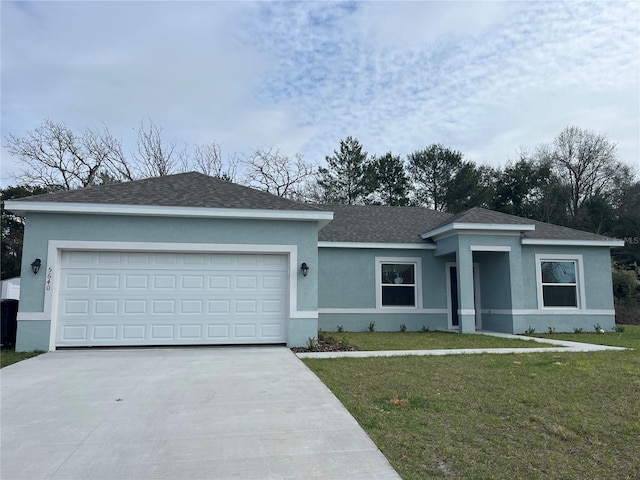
54 157
271 171
155 157
103 146
586 164
208 159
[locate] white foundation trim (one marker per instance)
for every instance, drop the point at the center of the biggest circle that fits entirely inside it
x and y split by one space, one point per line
366 311
548 311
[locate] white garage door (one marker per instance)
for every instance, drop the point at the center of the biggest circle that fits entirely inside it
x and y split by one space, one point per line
141 298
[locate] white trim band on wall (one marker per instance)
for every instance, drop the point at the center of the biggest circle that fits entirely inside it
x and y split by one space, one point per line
548 311
574 243
368 311
490 248
392 246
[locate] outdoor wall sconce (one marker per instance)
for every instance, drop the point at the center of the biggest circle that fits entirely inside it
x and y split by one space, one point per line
305 269
35 266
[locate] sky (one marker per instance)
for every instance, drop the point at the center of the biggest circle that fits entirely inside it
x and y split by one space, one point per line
486 78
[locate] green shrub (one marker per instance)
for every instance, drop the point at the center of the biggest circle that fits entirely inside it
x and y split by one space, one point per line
403 328
372 327
625 284
627 313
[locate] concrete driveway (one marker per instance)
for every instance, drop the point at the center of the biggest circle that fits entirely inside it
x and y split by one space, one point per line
183 413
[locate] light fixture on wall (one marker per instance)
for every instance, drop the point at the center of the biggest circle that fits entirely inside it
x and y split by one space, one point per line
305 269
35 266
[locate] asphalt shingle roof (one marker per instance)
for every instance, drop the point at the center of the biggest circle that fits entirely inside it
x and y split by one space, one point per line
379 224
190 189
543 230
351 223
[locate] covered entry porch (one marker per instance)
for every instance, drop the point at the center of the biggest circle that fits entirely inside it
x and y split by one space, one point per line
484 281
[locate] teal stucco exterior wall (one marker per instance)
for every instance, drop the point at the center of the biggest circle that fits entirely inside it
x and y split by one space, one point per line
41 228
347 291
508 287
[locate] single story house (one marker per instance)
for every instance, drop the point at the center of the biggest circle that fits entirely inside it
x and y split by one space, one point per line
189 259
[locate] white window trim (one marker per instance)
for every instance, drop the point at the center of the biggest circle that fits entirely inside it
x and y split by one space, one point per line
580 288
417 262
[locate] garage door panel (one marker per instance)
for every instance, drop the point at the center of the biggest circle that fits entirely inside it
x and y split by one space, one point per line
244 282
164 282
218 282
107 282
164 307
134 332
105 332
105 307
75 332
148 298
165 332
109 258
218 332
271 330
78 281
136 281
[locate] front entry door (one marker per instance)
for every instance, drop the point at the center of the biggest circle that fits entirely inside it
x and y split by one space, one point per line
454 306
452 292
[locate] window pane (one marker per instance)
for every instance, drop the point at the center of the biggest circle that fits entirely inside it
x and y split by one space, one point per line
398 273
558 272
556 296
402 296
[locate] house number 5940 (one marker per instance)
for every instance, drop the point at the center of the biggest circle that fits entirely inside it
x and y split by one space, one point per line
49 277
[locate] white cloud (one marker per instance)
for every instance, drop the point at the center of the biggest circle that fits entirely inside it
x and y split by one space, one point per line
481 77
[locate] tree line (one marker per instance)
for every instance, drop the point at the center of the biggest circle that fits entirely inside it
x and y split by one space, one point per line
575 180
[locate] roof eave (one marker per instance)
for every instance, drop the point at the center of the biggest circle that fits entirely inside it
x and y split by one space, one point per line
573 243
21 207
459 227
377 245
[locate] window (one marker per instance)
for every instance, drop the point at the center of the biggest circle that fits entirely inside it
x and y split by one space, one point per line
558 282
397 282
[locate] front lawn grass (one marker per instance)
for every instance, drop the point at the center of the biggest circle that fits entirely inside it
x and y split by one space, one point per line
427 341
629 338
516 416
8 356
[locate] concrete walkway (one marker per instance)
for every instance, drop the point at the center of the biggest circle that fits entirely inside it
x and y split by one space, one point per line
559 346
179 413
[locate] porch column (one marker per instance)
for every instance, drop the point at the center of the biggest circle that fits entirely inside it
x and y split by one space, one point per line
466 299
